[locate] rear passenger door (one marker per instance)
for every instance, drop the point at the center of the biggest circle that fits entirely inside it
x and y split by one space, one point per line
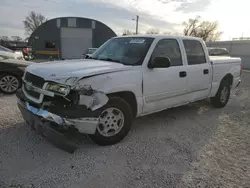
199 73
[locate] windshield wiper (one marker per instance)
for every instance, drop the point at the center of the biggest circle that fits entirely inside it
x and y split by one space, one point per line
109 59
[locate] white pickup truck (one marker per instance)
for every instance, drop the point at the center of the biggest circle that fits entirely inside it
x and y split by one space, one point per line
126 77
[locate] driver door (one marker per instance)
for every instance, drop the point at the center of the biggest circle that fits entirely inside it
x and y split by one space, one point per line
165 87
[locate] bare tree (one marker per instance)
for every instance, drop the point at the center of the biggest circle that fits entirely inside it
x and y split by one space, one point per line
26 39
16 38
206 30
32 21
167 33
191 26
127 32
153 31
4 38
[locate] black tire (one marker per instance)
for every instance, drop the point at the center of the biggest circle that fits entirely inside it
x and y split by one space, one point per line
217 101
124 107
18 83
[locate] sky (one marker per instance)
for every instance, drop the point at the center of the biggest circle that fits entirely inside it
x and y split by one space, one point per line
165 15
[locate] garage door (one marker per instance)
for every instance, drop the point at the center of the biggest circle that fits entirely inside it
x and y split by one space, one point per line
75 41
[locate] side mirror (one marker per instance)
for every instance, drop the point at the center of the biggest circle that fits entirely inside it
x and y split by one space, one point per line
160 62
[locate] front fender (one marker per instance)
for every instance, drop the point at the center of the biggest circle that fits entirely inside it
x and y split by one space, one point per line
116 82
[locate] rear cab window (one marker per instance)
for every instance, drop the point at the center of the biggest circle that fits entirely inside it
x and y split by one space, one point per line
195 52
168 48
218 52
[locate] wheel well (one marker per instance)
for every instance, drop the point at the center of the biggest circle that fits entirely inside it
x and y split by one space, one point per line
228 78
129 97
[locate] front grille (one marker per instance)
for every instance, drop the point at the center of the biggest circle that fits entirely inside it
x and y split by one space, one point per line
34 80
31 93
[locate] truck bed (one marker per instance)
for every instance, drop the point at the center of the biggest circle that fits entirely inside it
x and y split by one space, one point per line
224 59
222 66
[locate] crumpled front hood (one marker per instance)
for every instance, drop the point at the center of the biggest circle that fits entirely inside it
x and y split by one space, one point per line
58 71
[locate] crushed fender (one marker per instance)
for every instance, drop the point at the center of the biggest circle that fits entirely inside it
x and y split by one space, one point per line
92 99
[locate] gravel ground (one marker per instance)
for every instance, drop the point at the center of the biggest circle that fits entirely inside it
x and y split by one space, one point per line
190 146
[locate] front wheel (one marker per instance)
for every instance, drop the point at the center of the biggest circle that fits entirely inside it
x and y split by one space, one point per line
114 122
9 83
222 96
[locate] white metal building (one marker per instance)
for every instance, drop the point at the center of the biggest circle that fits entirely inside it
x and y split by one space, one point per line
68 37
237 48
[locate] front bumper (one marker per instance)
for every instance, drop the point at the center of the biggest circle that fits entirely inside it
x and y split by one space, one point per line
64 133
86 123
53 133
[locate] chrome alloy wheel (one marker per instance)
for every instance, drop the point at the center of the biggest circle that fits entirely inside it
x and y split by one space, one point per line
9 84
111 122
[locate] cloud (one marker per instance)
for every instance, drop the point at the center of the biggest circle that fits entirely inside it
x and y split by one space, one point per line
116 14
193 6
120 14
12 14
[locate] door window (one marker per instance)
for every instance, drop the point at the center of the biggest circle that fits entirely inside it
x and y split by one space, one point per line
194 51
168 48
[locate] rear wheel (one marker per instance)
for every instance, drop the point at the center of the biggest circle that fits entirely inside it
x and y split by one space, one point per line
9 83
114 122
222 96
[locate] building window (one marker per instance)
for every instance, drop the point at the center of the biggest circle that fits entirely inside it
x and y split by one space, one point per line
49 44
71 22
58 23
93 24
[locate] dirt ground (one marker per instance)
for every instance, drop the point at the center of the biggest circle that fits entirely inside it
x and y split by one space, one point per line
191 146
225 160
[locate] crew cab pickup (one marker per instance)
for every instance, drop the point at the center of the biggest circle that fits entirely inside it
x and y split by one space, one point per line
125 78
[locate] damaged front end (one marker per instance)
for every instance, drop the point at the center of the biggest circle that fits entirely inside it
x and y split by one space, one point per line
60 107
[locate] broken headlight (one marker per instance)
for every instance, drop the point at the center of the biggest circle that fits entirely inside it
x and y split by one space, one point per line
57 88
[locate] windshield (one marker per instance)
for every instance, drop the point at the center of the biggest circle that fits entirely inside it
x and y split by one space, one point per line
125 50
5 49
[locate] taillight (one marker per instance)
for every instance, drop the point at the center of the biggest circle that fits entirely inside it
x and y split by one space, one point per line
25 50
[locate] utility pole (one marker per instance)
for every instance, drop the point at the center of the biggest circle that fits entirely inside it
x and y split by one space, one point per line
242 35
137 20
